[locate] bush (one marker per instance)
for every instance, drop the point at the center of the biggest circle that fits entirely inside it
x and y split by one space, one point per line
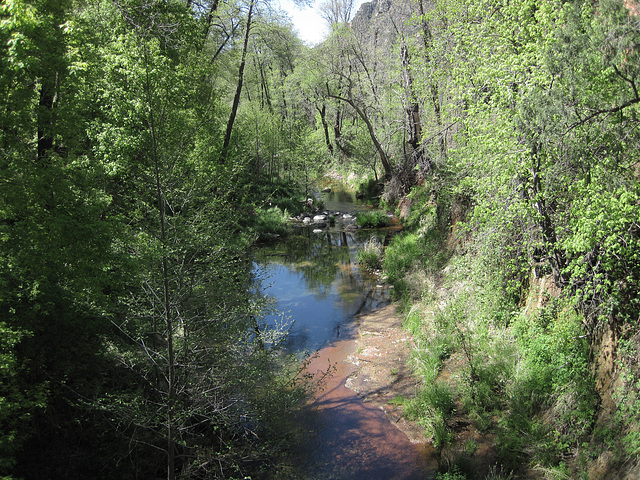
283 195
272 221
554 383
370 257
372 219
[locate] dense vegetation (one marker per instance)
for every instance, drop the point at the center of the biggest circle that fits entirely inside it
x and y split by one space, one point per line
128 339
520 268
144 145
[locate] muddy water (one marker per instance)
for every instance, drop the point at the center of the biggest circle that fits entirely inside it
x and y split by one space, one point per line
314 279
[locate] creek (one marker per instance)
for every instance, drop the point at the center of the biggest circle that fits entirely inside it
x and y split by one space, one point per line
313 278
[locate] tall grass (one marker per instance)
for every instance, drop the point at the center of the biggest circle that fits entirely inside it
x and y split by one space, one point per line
370 257
372 219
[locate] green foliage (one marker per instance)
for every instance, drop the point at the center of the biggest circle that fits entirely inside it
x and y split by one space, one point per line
272 221
601 223
279 193
372 219
125 282
370 189
401 255
430 353
420 248
554 377
436 397
423 209
17 400
370 256
453 474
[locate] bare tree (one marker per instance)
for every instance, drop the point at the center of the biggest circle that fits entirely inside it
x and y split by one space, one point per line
335 12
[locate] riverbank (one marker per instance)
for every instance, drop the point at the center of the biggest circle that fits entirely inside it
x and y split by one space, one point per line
382 376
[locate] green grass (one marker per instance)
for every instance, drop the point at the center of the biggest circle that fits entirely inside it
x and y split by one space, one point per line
372 219
370 257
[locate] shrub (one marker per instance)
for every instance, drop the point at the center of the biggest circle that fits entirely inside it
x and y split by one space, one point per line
553 382
372 219
370 257
272 221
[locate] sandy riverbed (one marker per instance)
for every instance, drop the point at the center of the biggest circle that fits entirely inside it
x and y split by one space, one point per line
381 371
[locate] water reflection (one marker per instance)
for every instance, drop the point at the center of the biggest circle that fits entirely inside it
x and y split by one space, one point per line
314 277
315 280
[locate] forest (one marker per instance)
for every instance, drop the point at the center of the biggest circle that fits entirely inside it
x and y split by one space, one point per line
147 145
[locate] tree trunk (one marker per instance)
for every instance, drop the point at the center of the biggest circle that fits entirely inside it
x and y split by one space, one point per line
212 10
388 169
433 87
236 98
167 315
46 104
325 126
411 106
554 255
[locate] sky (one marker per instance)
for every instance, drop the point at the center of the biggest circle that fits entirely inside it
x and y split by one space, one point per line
310 25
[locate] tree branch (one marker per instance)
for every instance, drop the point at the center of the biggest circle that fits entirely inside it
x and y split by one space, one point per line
604 111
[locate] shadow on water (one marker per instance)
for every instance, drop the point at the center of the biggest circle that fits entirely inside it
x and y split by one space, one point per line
315 280
351 439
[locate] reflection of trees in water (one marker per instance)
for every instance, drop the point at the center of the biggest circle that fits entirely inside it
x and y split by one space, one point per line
321 259
318 258
340 196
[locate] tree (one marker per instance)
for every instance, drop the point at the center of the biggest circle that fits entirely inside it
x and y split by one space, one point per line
336 12
55 237
349 80
185 329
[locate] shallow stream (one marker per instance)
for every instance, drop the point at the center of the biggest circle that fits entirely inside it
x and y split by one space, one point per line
314 279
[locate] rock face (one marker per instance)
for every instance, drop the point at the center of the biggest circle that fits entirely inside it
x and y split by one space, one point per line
379 23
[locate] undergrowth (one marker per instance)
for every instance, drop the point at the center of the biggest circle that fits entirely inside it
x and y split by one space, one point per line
270 222
370 256
521 374
372 219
